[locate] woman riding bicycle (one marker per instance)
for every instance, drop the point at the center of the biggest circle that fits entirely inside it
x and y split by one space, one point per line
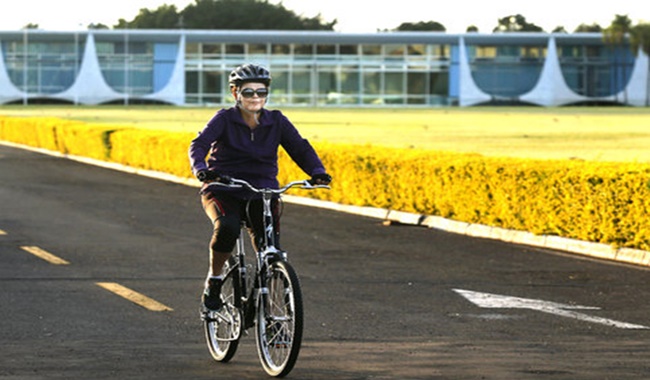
242 142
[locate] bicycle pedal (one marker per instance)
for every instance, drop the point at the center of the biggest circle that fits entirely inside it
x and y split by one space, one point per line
208 315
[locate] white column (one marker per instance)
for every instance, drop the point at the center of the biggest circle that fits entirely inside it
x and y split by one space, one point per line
637 87
551 88
89 87
469 93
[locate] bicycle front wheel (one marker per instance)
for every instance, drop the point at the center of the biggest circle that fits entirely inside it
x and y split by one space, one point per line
279 320
223 328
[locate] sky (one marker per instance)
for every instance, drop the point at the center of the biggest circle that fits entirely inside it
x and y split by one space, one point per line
353 16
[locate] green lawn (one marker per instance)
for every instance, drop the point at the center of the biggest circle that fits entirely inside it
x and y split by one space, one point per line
589 133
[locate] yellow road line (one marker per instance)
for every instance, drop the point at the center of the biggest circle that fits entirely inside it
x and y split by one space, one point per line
133 296
2 232
40 253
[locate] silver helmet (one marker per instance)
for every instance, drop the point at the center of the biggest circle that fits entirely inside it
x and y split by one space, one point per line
249 73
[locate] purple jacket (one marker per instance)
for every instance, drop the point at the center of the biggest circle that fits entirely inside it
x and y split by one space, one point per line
250 154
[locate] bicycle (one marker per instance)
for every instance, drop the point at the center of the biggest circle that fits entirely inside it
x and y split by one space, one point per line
270 299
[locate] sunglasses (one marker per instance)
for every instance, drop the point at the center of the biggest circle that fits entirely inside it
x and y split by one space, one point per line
249 92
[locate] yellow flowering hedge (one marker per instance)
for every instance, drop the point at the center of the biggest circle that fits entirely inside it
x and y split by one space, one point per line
65 136
592 201
152 150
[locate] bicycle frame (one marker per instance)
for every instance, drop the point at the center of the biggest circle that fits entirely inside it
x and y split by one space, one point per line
266 253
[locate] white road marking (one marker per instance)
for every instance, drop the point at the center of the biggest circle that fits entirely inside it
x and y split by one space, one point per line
496 301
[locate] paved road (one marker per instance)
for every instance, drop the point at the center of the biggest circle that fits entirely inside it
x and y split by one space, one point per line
382 302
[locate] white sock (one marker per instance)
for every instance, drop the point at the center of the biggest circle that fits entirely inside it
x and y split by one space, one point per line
211 277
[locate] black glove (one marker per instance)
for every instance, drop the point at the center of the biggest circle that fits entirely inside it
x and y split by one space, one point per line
206 175
320 179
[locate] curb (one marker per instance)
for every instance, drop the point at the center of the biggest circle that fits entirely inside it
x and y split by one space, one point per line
594 250
590 249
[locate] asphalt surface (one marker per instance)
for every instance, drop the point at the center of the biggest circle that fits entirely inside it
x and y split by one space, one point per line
381 302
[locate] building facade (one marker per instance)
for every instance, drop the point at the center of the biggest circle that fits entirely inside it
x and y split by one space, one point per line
320 69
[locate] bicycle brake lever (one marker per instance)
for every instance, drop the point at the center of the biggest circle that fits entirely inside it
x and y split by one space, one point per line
232 185
309 186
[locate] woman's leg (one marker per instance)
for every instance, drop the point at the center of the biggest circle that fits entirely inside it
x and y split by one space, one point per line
224 213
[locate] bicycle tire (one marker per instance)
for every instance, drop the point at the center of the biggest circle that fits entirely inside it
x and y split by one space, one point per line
279 320
223 329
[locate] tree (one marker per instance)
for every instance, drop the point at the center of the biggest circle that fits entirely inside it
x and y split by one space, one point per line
559 29
640 38
516 23
422 26
472 29
93 26
248 14
584 28
225 14
164 17
615 33
31 26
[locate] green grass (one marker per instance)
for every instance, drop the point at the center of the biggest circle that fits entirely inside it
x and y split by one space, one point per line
600 134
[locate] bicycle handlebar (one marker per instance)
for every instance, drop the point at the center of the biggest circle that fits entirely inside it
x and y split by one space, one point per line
237 183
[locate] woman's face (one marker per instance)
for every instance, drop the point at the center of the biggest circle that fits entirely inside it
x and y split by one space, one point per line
251 96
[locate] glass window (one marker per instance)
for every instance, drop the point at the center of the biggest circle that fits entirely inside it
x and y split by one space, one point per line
301 82
371 83
532 52
208 86
348 49
280 86
234 49
371 49
211 82
257 49
394 83
569 52
350 80
104 48
234 52
326 82
211 50
325 49
483 52
191 82
510 53
132 48
192 48
300 49
416 83
439 51
439 83
279 49
593 51
416 50
394 50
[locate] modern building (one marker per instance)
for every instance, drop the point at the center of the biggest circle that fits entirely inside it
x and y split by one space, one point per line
320 69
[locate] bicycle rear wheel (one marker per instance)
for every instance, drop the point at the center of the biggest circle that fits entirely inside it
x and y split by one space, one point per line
223 328
279 320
